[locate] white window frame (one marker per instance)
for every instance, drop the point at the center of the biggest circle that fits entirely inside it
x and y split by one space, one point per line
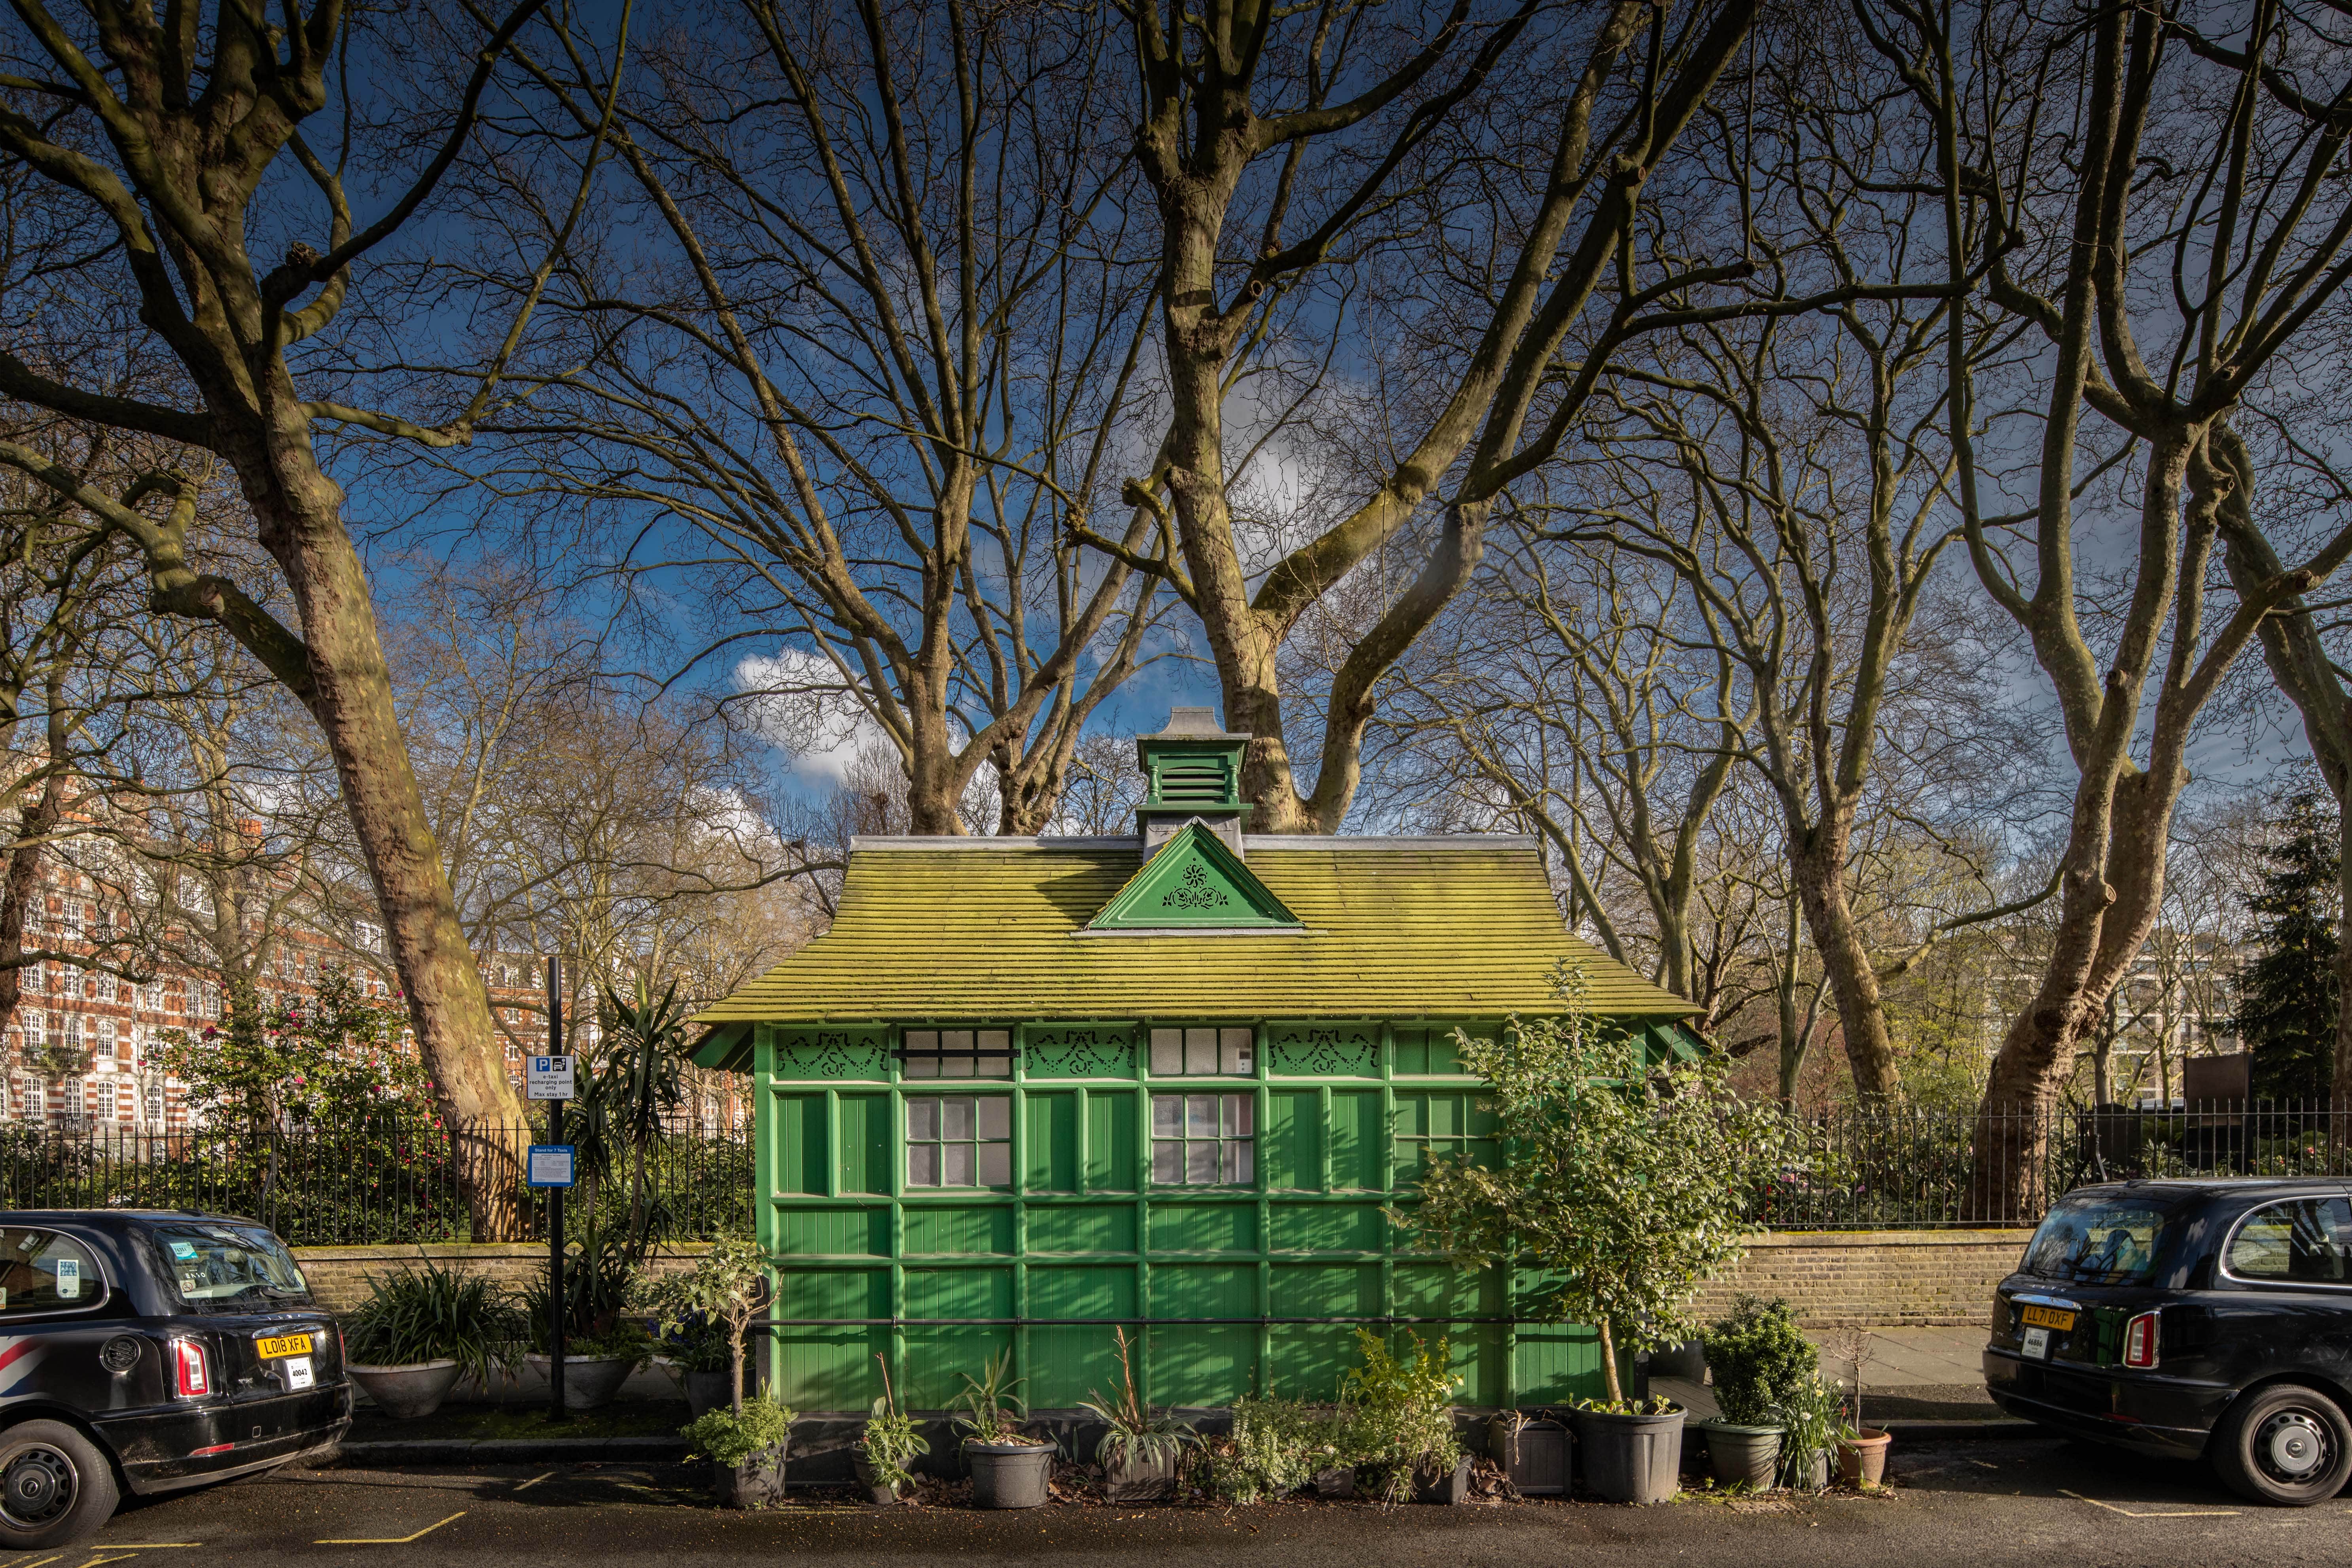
1225 1126
1203 1051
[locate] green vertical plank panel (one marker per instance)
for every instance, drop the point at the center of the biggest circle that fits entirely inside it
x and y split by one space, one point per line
1309 1359
1444 1291
937 1353
1079 1362
1290 1145
1051 1156
830 1367
1358 1142
800 1143
865 1142
1203 1363
1111 1148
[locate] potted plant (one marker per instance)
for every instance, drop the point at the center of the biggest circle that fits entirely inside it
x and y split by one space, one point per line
1275 1447
602 1345
1862 1450
1627 1182
1142 1454
1760 1360
885 1451
1813 1424
421 1330
1009 1467
697 1354
1403 1425
1532 1450
746 1444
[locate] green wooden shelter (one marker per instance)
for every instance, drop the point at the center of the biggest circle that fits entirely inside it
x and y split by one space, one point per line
1027 1091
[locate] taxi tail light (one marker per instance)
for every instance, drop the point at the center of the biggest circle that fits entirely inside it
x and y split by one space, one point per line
2139 1342
189 1378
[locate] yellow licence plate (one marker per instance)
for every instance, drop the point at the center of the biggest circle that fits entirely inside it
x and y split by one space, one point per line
2036 1317
294 1345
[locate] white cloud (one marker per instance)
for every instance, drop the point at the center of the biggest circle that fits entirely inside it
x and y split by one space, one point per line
804 707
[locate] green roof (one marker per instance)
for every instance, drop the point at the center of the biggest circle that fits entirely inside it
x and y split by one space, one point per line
995 931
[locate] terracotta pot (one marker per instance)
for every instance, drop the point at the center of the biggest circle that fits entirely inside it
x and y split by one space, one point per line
755 1482
879 1492
1863 1460
407 1392
1631 1459
1135 1479
1009 1474
1743 1456
589 1382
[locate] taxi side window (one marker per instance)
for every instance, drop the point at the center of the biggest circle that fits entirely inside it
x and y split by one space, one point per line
2307 1241
42 1271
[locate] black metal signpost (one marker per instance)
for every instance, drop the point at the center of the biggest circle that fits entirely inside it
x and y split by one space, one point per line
556 1410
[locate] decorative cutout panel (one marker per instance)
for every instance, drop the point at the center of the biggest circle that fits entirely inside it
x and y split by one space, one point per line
833 1054
1085 1051
1312 1050
1194 883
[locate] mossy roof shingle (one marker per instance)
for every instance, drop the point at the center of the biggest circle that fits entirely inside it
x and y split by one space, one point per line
986 931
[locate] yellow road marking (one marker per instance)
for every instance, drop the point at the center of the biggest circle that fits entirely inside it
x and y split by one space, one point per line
532 1482
383 1539
94 1562
38 1563
2155 1513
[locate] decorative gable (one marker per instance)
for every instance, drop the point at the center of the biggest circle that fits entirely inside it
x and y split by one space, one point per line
1194 883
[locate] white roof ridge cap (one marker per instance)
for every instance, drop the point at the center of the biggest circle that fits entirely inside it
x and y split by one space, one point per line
1005 842
1389 841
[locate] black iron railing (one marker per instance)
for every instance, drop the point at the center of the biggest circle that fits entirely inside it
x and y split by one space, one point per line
1917 1167
356 1185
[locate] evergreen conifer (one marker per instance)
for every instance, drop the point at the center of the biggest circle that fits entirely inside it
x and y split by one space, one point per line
2286 996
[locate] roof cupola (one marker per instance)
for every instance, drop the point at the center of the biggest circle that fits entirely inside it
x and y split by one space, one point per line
1192 772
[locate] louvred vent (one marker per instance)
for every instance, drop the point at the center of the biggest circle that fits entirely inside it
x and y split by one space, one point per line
1189 782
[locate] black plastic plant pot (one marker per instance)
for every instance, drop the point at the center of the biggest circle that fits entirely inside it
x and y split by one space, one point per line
757 1481
1136 1478
1433 1485
1631 1459
1009 1474
1533 1454
879 1492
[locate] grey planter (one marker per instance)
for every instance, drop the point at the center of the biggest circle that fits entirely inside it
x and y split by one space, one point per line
1807 1472
1431 1485
1631 1459
755 1482
879 1492
1009 1474
705 1391
1743 1456
405 1392
589 1382
1338 1481
1136 1479
1533 1454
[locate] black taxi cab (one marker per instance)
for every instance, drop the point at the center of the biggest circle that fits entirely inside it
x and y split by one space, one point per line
151 1350
2196 1319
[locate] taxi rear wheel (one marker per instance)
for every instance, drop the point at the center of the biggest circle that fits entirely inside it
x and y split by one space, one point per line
56 1488
2285 1444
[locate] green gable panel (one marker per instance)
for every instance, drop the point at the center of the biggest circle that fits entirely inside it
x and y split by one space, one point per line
1194 882
833 1054
1079 1050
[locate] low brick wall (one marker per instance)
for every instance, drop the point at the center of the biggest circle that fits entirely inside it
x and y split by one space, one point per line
1879 1278
339 1275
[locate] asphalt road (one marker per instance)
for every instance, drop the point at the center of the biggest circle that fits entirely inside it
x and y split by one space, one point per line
2015 1501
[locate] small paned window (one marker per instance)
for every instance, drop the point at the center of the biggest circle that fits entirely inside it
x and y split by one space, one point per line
1204 1139
1194 1053
959 1141
2308 1240
957 1053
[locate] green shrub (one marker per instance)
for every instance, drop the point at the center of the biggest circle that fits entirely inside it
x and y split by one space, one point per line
1403 1412
890 1443
990 1410
725 1437
1139 1432
1759 1359
433 1313
1277 1445
1812 1419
